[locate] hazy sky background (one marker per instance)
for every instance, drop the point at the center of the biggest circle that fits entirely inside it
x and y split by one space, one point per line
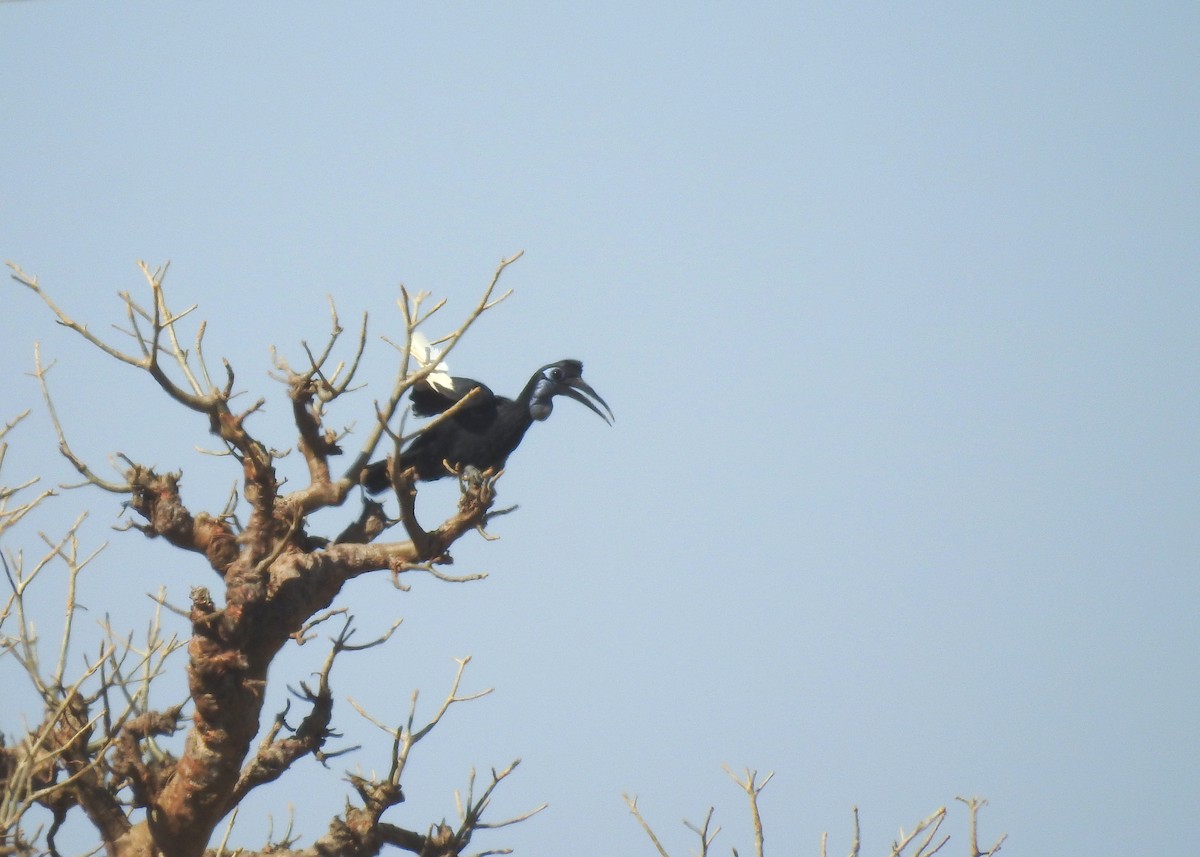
897 308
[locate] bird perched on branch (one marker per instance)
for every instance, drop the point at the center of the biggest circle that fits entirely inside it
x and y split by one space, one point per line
486 428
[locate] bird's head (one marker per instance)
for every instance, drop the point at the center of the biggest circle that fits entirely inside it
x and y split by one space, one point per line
564 378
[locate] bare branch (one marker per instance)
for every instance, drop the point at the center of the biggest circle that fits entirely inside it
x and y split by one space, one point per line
929 826
11 515
631 802
275 756
63 447
973 805
753 790
31 282
706 838
471 813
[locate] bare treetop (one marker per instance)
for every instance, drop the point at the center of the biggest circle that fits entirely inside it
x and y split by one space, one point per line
276 580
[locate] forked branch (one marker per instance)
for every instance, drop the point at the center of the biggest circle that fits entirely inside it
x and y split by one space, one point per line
753 789
974 804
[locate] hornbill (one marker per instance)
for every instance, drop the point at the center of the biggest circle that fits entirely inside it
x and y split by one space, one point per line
485 431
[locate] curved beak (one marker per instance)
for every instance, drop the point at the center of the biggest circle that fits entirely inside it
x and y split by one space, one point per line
572 387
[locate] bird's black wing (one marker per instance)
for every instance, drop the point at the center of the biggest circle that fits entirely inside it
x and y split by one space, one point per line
428 400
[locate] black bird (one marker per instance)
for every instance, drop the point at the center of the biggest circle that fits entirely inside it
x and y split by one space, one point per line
485 431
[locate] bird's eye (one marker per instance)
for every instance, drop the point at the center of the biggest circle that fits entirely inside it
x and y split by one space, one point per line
555 374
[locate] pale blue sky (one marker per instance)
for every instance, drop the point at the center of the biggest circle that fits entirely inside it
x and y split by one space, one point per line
897 309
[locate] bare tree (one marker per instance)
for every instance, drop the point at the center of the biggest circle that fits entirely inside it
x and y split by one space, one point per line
162 780
154 779
924 840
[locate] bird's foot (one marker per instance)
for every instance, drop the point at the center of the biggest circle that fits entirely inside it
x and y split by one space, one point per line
471 476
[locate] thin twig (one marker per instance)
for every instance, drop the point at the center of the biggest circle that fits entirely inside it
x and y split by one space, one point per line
631 802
